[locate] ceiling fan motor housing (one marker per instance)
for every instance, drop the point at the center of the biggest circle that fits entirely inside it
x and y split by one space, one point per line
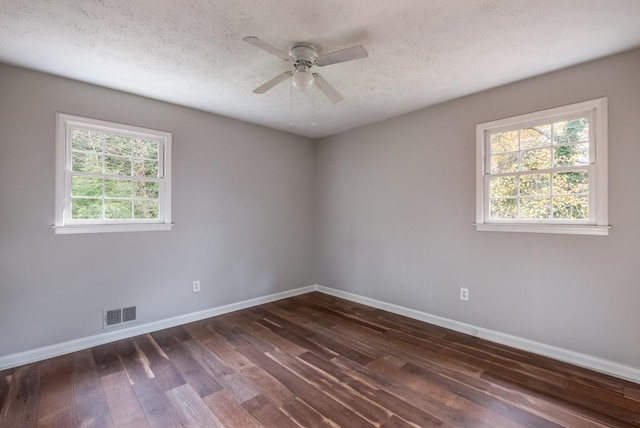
303 54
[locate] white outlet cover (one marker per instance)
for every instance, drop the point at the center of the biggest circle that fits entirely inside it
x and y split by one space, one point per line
196 286
464 294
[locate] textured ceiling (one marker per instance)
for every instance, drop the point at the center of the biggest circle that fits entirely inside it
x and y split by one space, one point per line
421 52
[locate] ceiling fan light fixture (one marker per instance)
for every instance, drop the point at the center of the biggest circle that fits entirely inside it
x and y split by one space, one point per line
302 78
303 57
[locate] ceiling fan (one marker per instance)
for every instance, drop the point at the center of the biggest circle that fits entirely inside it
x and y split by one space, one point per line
304 56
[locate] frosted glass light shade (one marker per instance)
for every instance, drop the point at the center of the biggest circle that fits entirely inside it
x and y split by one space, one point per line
302 79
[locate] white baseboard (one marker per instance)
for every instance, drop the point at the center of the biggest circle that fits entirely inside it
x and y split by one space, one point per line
576 358
51 351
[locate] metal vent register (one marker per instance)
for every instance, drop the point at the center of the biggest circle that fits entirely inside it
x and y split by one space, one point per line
117 316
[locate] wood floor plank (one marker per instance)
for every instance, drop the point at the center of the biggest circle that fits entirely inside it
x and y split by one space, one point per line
235 333
448 404
542 403
55 408
106 359
629 392
226 377
229 412
164 372
5 384
301 317
312 360
21 403
325 342
332 387
170 337
158 409
136 367
583 400
123 404
192 372
265 412
396 422
399 345
91 407
260 380
479 398
388 345
400 407
258 328
322 403
193 408
305 415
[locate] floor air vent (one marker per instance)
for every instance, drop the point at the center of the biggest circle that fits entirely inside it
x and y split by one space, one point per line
113 317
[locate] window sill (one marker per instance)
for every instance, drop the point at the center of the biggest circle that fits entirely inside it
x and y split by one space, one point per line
568 229
107 228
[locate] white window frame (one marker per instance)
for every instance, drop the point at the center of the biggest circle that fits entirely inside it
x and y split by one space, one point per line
63 222
597 224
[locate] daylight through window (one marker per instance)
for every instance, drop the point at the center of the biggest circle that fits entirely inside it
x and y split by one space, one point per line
115 177
546 170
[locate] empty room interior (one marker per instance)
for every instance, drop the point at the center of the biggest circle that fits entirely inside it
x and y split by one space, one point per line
331 213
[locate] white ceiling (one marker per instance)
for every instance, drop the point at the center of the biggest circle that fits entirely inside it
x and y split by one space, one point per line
421 52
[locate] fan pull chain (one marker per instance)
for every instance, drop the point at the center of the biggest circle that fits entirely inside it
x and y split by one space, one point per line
313 103
291 100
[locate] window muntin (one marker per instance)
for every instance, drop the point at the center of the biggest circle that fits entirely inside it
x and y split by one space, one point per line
544 168
111 174
540 172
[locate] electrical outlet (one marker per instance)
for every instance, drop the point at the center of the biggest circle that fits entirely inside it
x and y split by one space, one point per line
464 294
196 286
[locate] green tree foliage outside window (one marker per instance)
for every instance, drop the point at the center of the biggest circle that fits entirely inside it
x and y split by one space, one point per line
540 172
113 177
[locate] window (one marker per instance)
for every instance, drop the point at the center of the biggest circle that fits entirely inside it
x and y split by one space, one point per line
111 177
544 172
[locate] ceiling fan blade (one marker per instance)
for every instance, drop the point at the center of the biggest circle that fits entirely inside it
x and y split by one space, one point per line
273 82
327 89
348 54
267 47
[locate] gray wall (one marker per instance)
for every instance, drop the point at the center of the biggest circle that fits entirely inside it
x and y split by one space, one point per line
396 202
242 206
384 211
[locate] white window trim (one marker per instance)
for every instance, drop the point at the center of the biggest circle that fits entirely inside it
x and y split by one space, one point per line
598 223
62 191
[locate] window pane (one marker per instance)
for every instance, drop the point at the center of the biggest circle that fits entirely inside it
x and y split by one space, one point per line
536 159
117 209
535 184
146 209
571 155
147 189
145 168
504 163
118 188
145 149
571 207
506 208
86 186
86 162
90 141
567 183
571 131
118 145
117 166
535 208
86 208
503 186
536 136
504 142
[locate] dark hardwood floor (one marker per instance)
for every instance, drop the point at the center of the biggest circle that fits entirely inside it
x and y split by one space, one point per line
312 360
